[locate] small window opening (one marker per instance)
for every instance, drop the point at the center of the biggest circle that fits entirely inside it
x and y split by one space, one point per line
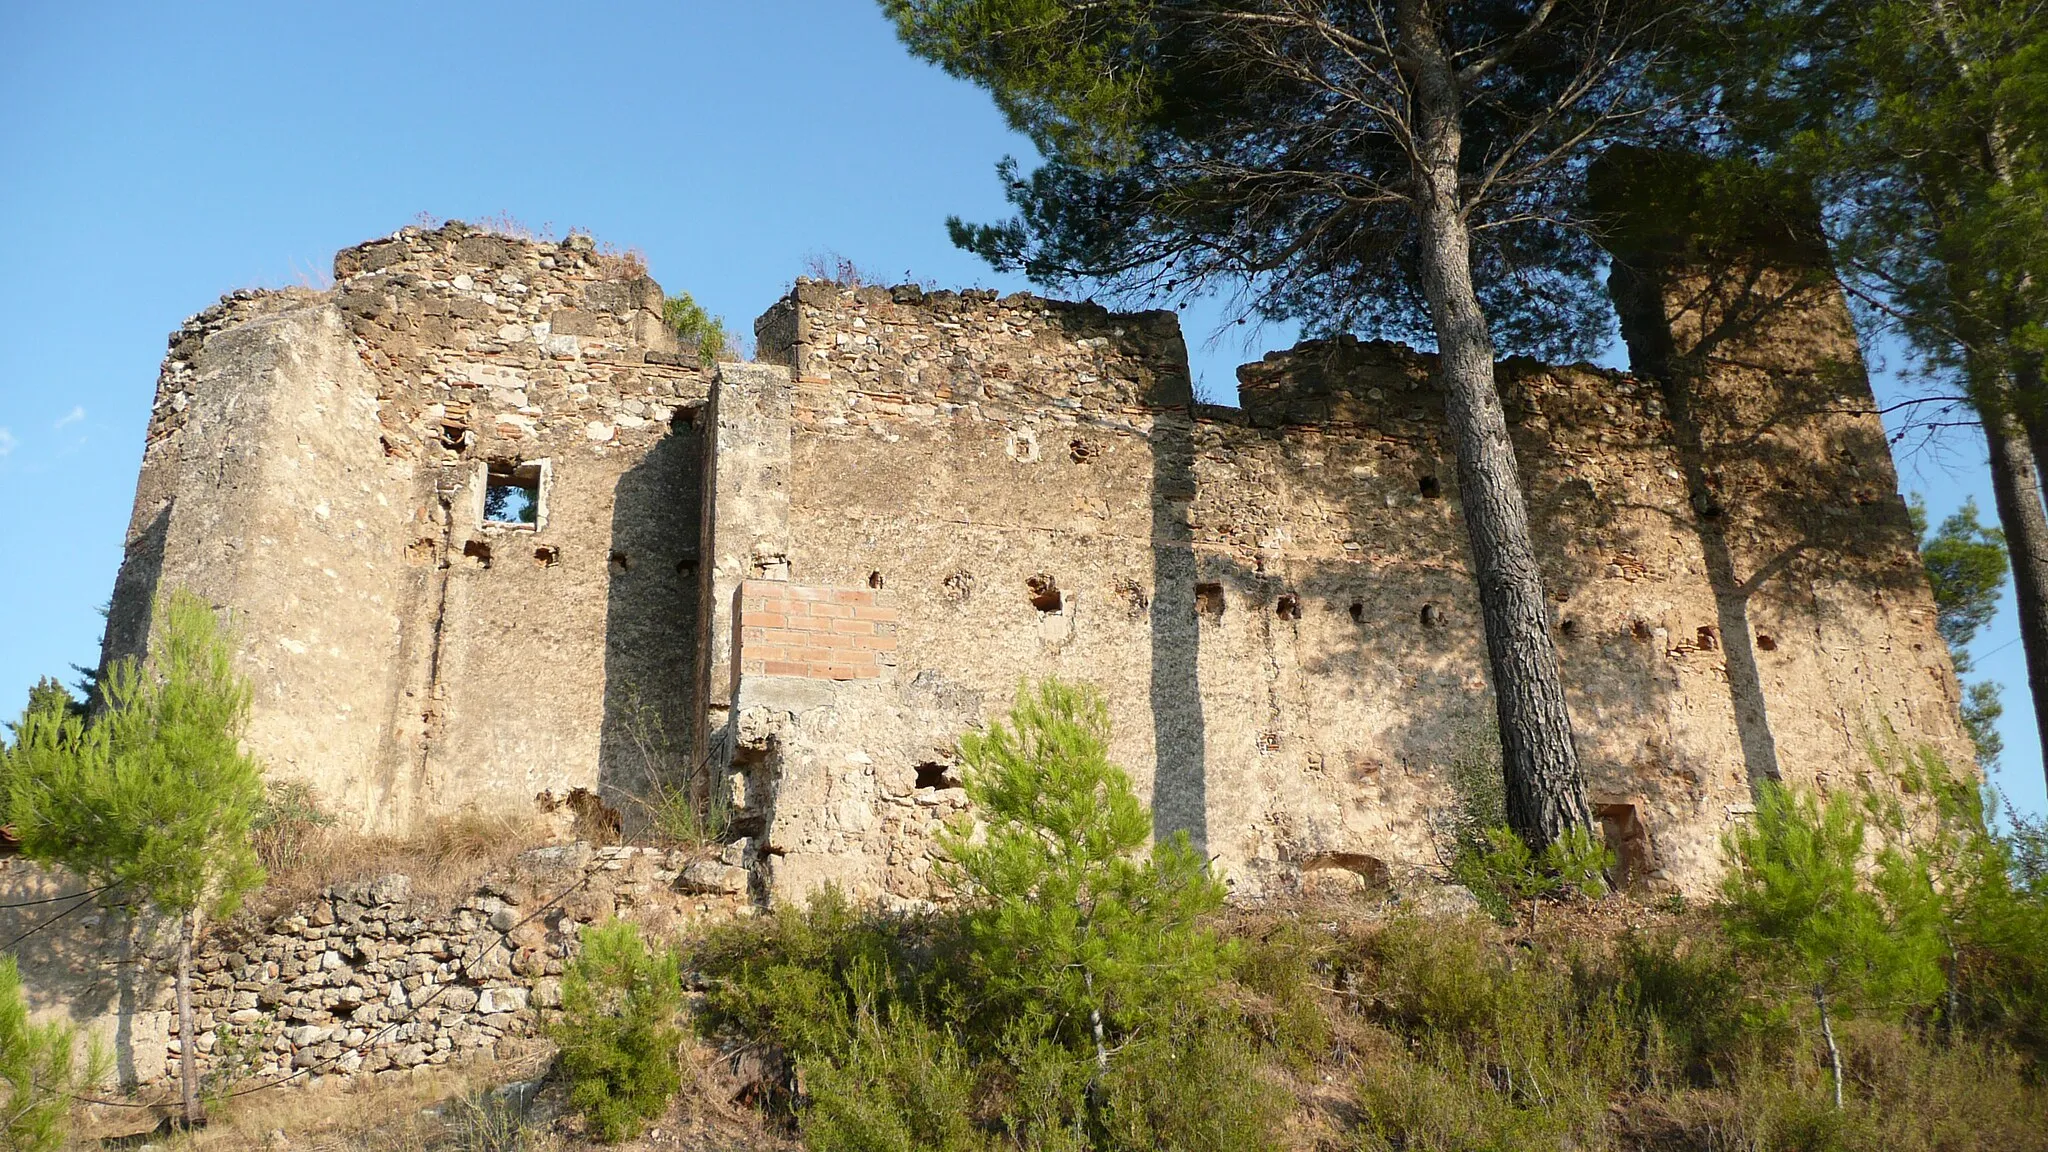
1209 600
454 437
1428 486
619 564
874 579
547 556
1044 593
1358 611
1432 616
1766 642
1709 638
934 775
478 551
1289 607
512 494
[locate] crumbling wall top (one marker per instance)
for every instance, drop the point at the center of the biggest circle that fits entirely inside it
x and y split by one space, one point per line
974 347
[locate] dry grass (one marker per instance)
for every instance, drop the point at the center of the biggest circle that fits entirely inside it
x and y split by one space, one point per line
621 263
445 857
422 1113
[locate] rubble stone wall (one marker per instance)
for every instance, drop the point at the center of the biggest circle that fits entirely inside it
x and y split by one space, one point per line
371 978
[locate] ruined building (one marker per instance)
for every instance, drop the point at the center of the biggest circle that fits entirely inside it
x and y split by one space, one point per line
490 536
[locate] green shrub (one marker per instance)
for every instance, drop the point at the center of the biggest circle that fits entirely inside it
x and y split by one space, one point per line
899 1085
1070 1000
694 326
1501 1051
38 1071
618 1033
1280 970
1188 1085
1485 855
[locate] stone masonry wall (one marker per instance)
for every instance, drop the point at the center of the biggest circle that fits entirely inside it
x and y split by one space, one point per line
1276 599
317 464
372 978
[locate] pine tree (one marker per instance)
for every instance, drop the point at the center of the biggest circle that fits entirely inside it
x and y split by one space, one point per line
1795 896
1072 924
39 1067
1406 168
1966 566
153 798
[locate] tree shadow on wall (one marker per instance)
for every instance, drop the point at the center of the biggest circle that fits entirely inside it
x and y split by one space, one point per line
1786 466
651 621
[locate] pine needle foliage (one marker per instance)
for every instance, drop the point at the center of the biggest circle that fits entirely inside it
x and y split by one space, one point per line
1795 896
38 1070
153 798
618 1032
1073 923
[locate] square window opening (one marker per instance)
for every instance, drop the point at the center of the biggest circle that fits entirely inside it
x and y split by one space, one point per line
512 494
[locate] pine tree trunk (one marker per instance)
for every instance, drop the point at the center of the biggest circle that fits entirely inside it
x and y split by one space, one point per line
2016 489
1095 1026
1827 1032
188 1035
1545 795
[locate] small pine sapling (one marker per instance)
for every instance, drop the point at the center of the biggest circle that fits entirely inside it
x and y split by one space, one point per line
1071 921
618 1032
1796 898
39 1069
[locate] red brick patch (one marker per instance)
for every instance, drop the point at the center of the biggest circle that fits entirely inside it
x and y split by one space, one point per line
815 632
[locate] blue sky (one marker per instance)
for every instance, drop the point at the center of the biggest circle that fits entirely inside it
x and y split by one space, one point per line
154 156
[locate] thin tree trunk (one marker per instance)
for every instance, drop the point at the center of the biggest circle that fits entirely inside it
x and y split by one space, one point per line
1095 1025
1545 795
1827 1032
2016 489
188 1034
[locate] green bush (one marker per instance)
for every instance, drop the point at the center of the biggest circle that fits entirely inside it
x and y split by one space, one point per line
1070 1000
898 1085
618 1033
697 327
1502 1051
38 1071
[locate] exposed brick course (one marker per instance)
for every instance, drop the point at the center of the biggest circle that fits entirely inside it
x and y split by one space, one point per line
812 632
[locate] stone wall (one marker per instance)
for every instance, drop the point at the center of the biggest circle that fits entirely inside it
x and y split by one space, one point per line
1276 599
372 978
318 465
